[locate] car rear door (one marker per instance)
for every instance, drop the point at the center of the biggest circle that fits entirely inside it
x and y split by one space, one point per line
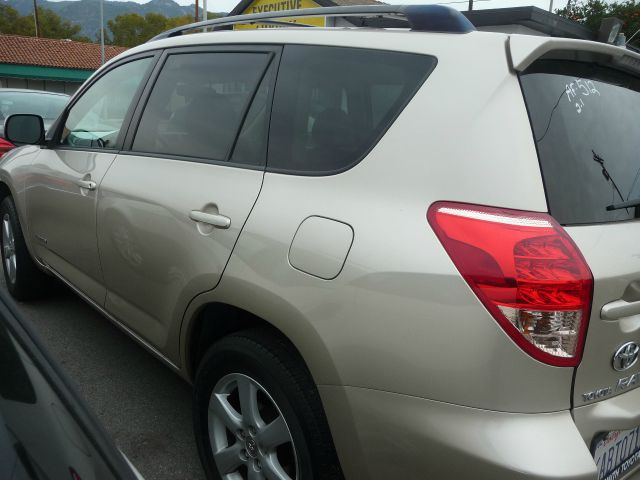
586 123
172 205
64 180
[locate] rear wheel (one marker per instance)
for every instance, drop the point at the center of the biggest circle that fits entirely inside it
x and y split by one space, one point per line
24 280
258 415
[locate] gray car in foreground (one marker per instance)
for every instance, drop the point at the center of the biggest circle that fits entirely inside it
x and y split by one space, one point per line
48 105
46 430
376 253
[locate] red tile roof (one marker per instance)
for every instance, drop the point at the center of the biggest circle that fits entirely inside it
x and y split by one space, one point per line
49 52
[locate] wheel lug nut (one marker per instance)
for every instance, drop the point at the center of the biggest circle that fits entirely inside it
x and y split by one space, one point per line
241 433
257 464
252 430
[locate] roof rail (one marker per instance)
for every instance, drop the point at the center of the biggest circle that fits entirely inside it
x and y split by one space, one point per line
423 18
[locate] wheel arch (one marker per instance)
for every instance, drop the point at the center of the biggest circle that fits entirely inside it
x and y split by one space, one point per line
212 322
215 320
5 191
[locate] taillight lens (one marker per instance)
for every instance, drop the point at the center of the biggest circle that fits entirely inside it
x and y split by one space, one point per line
5 146
527 272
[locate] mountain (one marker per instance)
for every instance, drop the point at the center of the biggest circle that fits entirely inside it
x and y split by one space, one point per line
86 13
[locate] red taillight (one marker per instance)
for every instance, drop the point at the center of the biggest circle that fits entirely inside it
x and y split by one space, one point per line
5 146
526 271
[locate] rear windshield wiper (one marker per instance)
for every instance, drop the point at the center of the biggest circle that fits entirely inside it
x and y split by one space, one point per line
627 204
605 173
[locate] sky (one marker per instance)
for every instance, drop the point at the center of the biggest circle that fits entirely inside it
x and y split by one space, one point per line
227 5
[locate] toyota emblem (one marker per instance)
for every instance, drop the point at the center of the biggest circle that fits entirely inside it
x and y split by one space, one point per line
626 356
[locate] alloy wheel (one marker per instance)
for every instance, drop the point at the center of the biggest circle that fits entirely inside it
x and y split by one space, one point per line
9 248
249 435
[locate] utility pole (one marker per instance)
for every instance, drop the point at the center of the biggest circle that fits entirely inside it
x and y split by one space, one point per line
551 6
101 32
204 10
195 17
470 5
35 17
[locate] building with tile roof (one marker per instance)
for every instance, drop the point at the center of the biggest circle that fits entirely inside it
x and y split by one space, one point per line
47 63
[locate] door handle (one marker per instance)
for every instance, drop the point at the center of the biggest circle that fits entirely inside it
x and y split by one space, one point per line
619 309
625 306
215 219
88 184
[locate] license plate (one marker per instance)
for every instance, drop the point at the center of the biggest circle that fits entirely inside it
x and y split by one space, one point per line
617 453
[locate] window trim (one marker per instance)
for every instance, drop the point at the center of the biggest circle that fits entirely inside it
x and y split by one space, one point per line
383 132
274 52
58 126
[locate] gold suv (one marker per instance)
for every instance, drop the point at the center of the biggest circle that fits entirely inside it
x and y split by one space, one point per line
400 253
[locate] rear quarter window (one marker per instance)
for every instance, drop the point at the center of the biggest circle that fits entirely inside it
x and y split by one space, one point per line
586 124
332 104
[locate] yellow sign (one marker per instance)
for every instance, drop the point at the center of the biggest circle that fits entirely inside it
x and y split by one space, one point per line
264 6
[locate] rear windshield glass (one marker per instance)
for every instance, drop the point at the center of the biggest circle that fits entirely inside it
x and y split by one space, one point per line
586 123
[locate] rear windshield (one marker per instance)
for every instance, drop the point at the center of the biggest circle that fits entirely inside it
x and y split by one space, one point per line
586 124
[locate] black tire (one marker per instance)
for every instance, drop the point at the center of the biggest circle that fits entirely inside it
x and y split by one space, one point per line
29 281
276 366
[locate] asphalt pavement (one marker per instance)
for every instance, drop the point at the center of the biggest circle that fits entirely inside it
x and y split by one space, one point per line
143 405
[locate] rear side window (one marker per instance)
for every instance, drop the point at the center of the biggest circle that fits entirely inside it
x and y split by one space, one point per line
586 124
332 104
198 103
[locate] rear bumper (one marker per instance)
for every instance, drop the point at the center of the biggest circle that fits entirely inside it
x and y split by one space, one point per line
382 435
618 413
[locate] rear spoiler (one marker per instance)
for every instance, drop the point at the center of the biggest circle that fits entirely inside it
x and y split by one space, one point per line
523 50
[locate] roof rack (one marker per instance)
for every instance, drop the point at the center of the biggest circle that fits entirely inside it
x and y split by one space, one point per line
423 18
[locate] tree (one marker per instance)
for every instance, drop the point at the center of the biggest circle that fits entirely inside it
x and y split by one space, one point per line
132 29
51 24
591 12
12 23
126 30
174 22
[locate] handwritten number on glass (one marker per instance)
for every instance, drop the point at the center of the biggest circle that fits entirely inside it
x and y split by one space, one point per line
577 90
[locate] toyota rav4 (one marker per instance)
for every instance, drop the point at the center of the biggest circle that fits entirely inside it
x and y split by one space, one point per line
377 253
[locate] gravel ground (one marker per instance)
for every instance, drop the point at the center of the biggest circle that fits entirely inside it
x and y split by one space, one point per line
143 405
